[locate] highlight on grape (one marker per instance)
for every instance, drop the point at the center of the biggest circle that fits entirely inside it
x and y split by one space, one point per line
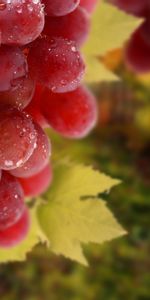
41 72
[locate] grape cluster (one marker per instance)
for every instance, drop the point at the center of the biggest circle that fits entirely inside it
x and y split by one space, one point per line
137 52
41 69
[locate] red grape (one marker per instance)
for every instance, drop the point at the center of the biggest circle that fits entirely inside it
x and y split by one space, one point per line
11 201
137 53
56 63
59 7
15 234
34 107
21 22
13 66
37 184
89 5
135 7
20 95
71 114
39 158
145 31
17 138
74 26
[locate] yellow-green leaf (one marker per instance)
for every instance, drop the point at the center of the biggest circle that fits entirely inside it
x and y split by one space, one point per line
19 253
110 28
96 71
68 220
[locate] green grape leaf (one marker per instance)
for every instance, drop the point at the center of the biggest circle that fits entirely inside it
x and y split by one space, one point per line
19 252
110 28
96 71
72 215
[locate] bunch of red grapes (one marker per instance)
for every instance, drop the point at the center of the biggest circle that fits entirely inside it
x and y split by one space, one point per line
41 69
137 52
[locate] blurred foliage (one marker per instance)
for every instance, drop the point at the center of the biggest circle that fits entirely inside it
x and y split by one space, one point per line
120 146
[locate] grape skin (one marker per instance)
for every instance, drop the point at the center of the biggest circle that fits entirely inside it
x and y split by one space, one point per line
15 234
21 22
135 7
74 26
11 201
89 5
137 52
145 31
39 158
56 63
20 95
37 184
13 66
17 139
33 109
60 8
72 114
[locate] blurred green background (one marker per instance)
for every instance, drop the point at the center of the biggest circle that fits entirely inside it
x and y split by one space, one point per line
120 147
